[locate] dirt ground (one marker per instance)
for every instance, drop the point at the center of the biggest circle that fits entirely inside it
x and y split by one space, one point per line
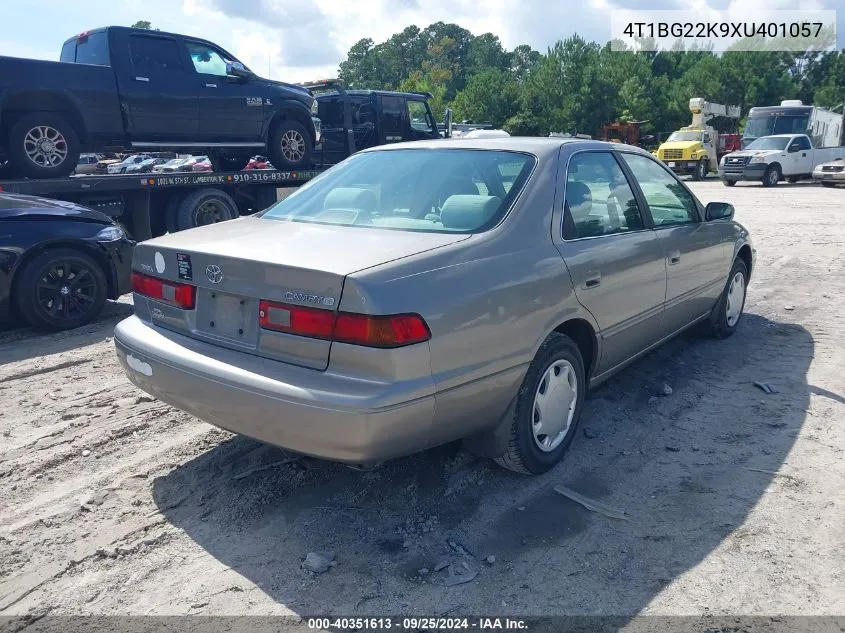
112 503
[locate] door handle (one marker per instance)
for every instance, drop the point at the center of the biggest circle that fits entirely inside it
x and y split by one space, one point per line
592 279
210 85
142 79
803 153
674 257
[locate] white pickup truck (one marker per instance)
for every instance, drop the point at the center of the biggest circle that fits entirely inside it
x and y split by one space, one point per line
771 159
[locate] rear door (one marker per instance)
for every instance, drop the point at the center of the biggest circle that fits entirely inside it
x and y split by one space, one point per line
230 108
160 100
696 255
615 260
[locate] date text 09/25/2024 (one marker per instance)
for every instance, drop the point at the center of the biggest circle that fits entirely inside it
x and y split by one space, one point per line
419 624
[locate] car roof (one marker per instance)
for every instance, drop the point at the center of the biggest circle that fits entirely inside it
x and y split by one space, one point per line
366 93
539 146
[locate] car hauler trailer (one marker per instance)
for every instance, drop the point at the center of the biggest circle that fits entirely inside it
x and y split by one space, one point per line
149 205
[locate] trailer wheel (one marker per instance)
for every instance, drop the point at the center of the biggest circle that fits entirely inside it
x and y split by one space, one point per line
205 207
700 171
171 210
43 145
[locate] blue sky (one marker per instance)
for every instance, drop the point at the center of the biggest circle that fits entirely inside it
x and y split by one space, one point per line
306 39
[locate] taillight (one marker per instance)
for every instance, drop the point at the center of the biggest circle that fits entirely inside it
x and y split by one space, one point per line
296 319
180 295
345 327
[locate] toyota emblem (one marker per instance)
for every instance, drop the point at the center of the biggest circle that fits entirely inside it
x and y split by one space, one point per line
214 274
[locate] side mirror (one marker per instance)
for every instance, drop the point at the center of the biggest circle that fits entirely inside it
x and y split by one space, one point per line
718 211
448 122
793 148
237 69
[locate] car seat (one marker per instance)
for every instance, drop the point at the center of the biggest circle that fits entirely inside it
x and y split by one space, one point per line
468 212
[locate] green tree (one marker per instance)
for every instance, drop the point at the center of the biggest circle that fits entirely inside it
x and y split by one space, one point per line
142 24
490 96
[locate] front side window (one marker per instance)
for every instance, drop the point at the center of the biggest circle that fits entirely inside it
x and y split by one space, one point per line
669 202
801 143
598 198
419 116
207 60
439 191
154 54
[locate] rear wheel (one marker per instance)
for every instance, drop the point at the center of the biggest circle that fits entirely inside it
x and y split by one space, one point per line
60 289
771 177
290 146
43 145
728 311
548 408
205 207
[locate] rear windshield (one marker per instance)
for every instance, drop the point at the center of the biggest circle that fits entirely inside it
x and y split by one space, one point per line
88 48
441 190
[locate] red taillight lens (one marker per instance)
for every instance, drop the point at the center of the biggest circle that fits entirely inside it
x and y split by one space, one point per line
381 331
358 329
180 295
296 319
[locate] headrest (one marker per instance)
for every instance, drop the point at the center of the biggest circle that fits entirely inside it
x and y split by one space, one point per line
577 193
350 198
467 212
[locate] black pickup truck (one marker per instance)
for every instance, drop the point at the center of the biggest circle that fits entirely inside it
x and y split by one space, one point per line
120 88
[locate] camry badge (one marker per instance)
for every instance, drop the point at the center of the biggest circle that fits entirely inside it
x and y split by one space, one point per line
214 274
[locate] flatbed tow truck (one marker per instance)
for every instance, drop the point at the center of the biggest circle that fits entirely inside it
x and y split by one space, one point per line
149 205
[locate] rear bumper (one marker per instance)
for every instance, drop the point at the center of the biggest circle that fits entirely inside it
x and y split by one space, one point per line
307 411
747 172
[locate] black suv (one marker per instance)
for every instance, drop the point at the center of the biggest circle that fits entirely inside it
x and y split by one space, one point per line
353 120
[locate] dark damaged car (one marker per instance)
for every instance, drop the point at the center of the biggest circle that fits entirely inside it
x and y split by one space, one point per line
59 262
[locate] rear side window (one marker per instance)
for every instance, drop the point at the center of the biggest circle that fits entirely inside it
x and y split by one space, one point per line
392 111
598 198
154 54
330 111
93 49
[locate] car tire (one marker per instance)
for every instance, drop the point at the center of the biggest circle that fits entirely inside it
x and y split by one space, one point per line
37 139
771 177
728 183
791 179
728 311
52 293
557 368
290 146
700 171
205 207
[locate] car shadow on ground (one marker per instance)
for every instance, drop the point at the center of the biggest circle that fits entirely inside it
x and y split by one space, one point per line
687 469
19 342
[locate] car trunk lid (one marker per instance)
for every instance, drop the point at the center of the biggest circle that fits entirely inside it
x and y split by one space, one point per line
234 265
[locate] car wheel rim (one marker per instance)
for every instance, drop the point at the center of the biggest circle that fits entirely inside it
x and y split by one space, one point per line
293 146
554 405
773 178
66 290
736 299
45 146
210 212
